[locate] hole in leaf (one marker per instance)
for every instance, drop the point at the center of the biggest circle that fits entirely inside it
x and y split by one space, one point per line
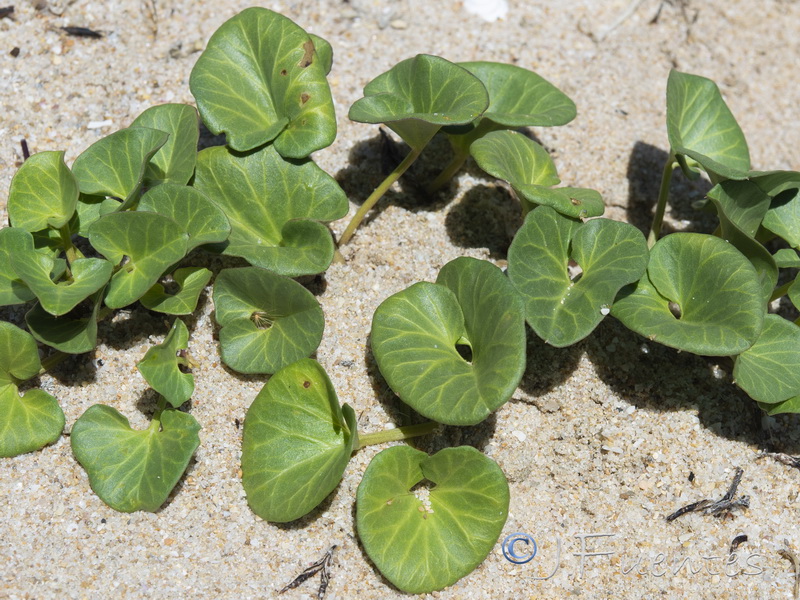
465 352
574 271
261 319
283 72
422 492
308 54
675 309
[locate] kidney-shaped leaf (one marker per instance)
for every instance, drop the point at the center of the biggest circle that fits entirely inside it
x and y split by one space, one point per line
425 545
152 244
521 98
35 269
133 470
190 280
268 321
43 193
767 370
415 334
203 220
160 366
174 161
699 294
296 443
31 421
260 79
560 310
115 165
701 126
73 333
419 95
274 207
527 167
12 289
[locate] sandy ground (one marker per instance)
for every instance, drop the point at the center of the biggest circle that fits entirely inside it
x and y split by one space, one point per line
605 437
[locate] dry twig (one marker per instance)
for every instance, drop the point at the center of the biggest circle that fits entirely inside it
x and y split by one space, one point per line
722 506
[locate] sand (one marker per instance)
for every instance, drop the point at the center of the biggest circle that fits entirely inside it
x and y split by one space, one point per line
606 437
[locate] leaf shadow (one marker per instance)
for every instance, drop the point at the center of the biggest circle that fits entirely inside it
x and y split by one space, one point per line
547 367
645 165
658 378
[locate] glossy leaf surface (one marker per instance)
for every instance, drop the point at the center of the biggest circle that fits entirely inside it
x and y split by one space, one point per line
274 207
260 80
129 469
415 334
174 161
43 193
191 282
712 286
160 366
297 441
268 321
560 310
422 548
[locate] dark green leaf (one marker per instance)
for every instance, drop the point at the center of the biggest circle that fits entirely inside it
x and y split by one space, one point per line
12 289
768 371
190 280
160 366
73 333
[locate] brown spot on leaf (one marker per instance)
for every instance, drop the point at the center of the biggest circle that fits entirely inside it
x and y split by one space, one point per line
308 54
306 384
304 98
575 201
283 72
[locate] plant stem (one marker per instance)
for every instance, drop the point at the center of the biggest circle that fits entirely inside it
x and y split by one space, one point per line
397 434
663 195
73 253
455 164
780 291
379 192
52 360
155 423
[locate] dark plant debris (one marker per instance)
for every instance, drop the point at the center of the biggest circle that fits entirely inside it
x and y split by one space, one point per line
737 541
82 32
719 508
6 11
786 459
322 566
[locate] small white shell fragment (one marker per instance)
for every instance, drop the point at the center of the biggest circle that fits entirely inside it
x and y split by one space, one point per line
605 310
99 124
488 10
520 435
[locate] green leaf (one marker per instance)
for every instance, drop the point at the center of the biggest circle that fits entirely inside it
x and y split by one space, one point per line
73 333
768 371
12 289
783 216
740 206
274 207
324 52
35 269
559 309
268 321
115 165
190 280
701 126
174 161
419 95
43 193
160 366
787 258
415 334
203 220
31 421
260 80
91 208
152 244
133 470
297 441
792 405
712 286
527 167
521 98
422 548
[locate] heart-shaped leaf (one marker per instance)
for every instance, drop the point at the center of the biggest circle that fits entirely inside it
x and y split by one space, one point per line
416 334
787 258
43 193
190 280
701 126
419 95
324 52
160 366
296 443
174 161
268 321
203 220
260 80
274 207
699 294
115 165
35 269
31 421
73 333
521 98
12 289
792 405
767 370
152 244
133 470
425 545
559 309
527 167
